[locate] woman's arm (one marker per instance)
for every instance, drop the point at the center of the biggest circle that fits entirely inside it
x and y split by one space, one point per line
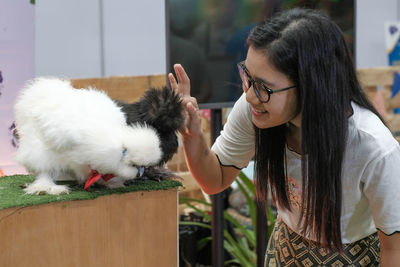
202 162
390 249
204 165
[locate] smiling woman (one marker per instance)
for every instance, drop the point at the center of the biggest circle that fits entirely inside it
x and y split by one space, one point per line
320 148
278 107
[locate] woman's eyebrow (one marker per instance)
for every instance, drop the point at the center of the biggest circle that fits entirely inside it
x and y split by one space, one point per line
269 84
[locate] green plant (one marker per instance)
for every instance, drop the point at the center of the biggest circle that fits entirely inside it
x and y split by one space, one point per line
242 248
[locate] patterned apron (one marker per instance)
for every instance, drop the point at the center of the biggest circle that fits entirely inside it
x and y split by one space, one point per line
287 248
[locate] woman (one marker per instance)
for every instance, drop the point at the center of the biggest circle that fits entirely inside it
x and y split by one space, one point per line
319 145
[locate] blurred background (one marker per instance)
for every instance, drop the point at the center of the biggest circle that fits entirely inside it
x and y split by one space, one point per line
102 38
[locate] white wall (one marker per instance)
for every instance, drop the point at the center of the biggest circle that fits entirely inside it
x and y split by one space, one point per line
134 37
17 66
67 38
370 39
95 38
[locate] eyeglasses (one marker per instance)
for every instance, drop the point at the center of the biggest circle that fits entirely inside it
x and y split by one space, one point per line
263 93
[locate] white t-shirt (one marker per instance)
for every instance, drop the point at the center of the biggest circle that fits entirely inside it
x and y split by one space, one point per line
370 177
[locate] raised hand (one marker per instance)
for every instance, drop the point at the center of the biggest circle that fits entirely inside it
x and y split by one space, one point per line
182 86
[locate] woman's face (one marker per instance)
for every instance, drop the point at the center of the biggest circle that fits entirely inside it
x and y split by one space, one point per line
282 107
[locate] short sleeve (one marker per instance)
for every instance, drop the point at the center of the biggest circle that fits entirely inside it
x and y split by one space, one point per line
235 145
382 189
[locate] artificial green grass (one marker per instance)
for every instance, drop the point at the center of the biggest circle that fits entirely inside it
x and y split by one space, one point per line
12 194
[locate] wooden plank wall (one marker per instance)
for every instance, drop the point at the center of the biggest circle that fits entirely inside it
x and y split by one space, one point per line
131 88
383 77
370 78
125 88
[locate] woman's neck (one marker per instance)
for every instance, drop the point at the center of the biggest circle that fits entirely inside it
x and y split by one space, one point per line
293 137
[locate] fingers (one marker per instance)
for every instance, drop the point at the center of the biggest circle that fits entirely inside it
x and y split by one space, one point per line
182 86
181 74
193 126
192 100
172 81
192 110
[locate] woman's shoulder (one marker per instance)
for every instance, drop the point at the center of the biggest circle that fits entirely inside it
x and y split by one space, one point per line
241 112
366 129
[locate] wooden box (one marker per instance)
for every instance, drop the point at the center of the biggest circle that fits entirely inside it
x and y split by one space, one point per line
131 229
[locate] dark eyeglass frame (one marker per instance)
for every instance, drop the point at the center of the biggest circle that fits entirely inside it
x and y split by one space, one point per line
251 82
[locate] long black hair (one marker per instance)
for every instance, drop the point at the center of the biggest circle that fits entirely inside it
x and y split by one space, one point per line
310 50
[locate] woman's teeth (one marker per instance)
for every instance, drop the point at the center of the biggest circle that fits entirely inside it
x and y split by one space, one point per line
258 112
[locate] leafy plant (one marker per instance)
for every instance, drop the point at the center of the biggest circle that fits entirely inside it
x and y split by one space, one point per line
242 247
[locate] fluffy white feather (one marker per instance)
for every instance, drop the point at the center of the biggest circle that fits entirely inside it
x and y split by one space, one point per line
65 132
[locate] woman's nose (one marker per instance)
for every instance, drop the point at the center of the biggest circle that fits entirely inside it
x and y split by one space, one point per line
251 96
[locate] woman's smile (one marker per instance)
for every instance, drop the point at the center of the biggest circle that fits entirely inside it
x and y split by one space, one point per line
257 112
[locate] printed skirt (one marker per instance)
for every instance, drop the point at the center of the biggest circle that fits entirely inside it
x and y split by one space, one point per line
287 248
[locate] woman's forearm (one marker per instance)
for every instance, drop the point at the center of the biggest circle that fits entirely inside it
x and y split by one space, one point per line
201 161
205 167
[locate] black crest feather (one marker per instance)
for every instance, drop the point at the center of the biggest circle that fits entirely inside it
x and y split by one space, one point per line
161 109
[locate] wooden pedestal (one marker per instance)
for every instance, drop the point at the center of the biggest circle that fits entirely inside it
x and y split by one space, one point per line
133 229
